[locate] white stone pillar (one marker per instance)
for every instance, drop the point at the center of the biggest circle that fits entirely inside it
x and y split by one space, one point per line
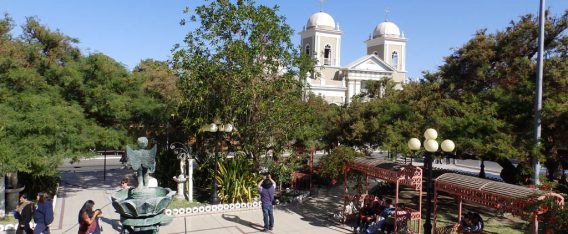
2 196
191 163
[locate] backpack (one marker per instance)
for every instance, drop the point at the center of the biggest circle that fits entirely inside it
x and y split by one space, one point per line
48 212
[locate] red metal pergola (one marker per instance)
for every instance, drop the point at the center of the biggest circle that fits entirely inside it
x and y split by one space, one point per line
406 175
498 195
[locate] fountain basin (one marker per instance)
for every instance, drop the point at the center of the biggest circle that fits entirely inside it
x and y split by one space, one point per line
143 206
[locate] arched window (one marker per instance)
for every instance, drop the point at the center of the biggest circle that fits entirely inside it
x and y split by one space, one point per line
395 59
327 55
308 49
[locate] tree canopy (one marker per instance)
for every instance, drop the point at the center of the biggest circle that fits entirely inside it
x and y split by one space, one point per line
482 97
239 66
57 103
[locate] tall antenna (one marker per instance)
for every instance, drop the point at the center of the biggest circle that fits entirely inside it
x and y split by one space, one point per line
387 11
321 4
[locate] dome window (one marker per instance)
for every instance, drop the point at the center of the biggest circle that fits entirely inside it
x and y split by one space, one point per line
308 49
327 55
394 59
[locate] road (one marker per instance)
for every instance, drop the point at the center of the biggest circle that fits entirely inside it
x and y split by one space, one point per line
91 164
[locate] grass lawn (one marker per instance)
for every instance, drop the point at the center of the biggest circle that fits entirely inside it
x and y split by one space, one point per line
9 219
506 224
182 203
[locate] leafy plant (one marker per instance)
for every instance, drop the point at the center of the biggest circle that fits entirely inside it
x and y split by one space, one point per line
237 179
554 216
282 170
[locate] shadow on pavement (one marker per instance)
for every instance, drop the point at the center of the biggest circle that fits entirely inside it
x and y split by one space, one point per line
237 219
318 211
112 222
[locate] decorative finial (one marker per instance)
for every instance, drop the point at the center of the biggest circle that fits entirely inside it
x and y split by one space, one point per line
321 4
387 11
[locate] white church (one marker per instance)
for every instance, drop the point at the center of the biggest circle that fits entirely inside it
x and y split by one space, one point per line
386 55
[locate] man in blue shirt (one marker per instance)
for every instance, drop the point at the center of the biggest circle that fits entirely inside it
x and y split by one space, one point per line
266 187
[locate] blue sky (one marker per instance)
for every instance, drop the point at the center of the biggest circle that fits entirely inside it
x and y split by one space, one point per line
132 30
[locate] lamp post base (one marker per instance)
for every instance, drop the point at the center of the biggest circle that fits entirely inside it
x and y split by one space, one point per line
214 200
427 227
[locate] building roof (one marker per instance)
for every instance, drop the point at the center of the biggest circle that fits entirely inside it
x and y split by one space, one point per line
370 62
321 20
388 29
509 197
407 175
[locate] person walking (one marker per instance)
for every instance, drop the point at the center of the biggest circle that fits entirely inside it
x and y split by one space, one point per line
43 215
23 213
88 219
124 183
267 187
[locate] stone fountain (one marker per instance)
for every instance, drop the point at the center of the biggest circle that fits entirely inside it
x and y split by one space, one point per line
142 208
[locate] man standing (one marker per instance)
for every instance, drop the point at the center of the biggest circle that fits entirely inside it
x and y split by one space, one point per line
266 187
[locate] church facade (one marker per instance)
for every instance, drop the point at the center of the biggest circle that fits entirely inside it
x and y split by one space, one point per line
386 58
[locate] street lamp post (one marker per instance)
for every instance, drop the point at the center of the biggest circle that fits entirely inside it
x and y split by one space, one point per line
217 130
431 147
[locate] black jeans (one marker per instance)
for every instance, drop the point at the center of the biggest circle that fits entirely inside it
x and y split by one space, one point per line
25 229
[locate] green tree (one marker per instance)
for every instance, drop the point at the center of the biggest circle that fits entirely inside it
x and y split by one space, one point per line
239 66
156 96
40 124
497 70
332 165
57 103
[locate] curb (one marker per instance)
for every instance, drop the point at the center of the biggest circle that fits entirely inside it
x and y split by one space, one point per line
212 209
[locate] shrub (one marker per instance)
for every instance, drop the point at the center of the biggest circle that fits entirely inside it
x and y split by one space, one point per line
237 179
332 165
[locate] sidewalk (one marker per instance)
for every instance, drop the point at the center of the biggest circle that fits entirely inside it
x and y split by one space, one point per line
312 216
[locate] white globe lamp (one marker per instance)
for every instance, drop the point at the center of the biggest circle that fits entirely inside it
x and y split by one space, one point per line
431 145
448 146
431 133
414 144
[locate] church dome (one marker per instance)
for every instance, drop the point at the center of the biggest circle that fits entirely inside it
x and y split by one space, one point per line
321 20
386 29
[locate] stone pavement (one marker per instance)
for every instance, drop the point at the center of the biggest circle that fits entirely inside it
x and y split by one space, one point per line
312 216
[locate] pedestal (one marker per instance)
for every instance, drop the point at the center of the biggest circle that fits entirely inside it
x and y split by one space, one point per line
180 180
12 198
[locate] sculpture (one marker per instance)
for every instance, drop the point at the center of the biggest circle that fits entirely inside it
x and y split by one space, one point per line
142 161
183 153
142 209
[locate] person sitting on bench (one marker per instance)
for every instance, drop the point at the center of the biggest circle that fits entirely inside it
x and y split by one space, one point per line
366 216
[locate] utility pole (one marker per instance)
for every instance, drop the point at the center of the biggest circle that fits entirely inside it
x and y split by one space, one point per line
538 96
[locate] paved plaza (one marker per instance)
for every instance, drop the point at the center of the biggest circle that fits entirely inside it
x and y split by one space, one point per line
312 216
